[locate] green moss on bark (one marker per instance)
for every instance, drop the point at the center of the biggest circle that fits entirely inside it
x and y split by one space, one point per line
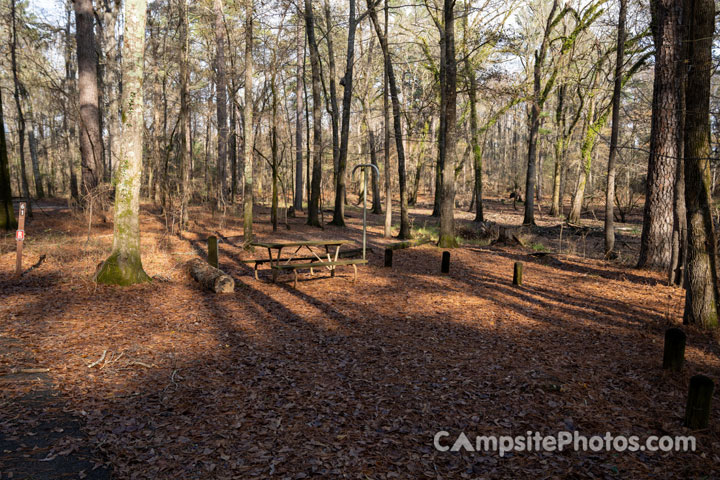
447 241
122 270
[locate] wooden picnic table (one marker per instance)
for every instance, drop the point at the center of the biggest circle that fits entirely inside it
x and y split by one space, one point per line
277 263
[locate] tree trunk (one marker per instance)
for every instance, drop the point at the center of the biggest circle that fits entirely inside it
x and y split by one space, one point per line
298 201
34 158
614 134
559 150
449 114
90 137
158 137
332 104
248 194
7 214
316 185
124 266
586 150
656 239
387 230
18 92
397 124
339 214
69 87
111 83
184 120
221 100
474 133
702 296
534 120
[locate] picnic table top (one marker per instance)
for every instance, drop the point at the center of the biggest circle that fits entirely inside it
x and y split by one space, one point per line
301 243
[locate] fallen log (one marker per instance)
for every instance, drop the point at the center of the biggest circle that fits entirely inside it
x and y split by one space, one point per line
210 277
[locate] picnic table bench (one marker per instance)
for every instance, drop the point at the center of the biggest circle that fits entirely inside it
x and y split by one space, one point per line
294 263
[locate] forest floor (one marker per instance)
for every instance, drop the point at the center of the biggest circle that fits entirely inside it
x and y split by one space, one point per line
337 379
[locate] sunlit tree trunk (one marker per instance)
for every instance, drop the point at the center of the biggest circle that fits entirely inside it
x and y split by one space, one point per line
702 296
474 133
586 152
69 87
89 122
656 239
559 150
617 90
534 119
124 266
339 214
449 113
111 83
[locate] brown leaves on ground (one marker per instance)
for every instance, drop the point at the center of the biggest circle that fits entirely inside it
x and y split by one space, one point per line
335 379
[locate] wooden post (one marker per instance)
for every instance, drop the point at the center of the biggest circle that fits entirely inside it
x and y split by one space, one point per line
674 354
445 267
518 273
20 239
388 257
213 251
697 412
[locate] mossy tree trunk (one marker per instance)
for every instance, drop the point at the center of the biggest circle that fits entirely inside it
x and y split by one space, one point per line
701 297
124 266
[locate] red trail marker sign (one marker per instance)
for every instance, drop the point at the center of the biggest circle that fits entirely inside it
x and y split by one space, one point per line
20 238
